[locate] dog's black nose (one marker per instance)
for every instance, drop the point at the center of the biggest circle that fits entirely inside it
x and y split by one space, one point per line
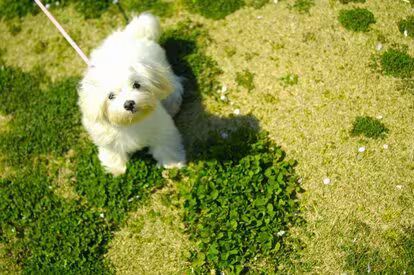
129 105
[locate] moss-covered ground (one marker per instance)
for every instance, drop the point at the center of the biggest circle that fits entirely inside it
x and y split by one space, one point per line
322 182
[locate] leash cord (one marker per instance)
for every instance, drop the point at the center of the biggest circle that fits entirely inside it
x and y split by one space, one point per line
63 32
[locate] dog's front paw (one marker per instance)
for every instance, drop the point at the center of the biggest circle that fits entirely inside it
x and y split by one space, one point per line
169 157
112 161
173 165
116 171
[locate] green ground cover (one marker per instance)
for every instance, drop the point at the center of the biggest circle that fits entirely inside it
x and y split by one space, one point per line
369 127
258 74
358 19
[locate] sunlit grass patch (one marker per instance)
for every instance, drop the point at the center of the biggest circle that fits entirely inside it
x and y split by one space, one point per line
361 256
89 8
368 127
214 9
358 19
239 202
257 4
10 8
152 240
230 51
92 8
157 7
303 6
351 1
245 79
406 86
289 79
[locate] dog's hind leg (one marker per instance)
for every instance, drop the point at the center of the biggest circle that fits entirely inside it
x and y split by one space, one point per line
113 162
173 102
169 150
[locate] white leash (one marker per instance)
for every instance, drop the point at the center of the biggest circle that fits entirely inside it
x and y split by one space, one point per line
63 32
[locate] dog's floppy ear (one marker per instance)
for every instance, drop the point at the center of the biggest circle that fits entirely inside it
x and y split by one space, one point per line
157 78
91 101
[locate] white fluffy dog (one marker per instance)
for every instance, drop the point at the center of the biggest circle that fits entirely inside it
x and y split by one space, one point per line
129 95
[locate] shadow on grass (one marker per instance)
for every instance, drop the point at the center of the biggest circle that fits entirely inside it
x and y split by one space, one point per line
239 191
197 126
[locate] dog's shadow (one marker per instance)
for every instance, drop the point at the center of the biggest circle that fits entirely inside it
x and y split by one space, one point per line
198 127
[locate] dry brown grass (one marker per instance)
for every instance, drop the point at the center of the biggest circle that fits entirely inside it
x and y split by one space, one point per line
312 119
152 241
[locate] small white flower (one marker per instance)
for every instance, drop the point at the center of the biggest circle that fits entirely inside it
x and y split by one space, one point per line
47 6
300 180
259 17
102 215
223 98
369 268
131 199
224 135
379 46
379 116
405 33
326 181
12 230
385 146
236 112
280 233
224 89
399 186
275 1
115 1
361 149
57 3
137 197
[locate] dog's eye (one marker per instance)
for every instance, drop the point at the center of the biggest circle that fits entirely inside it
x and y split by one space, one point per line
136 85
111 96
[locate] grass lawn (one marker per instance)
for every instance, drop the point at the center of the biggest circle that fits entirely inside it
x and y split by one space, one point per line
298 122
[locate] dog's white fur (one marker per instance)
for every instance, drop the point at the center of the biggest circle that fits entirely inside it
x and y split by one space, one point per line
129 56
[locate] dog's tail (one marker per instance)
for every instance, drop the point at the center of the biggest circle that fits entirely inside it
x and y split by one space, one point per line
144 26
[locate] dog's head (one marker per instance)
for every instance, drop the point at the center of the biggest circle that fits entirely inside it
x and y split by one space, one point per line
123 95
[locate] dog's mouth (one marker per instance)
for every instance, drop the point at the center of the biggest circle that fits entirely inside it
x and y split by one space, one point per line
133 110
129 117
